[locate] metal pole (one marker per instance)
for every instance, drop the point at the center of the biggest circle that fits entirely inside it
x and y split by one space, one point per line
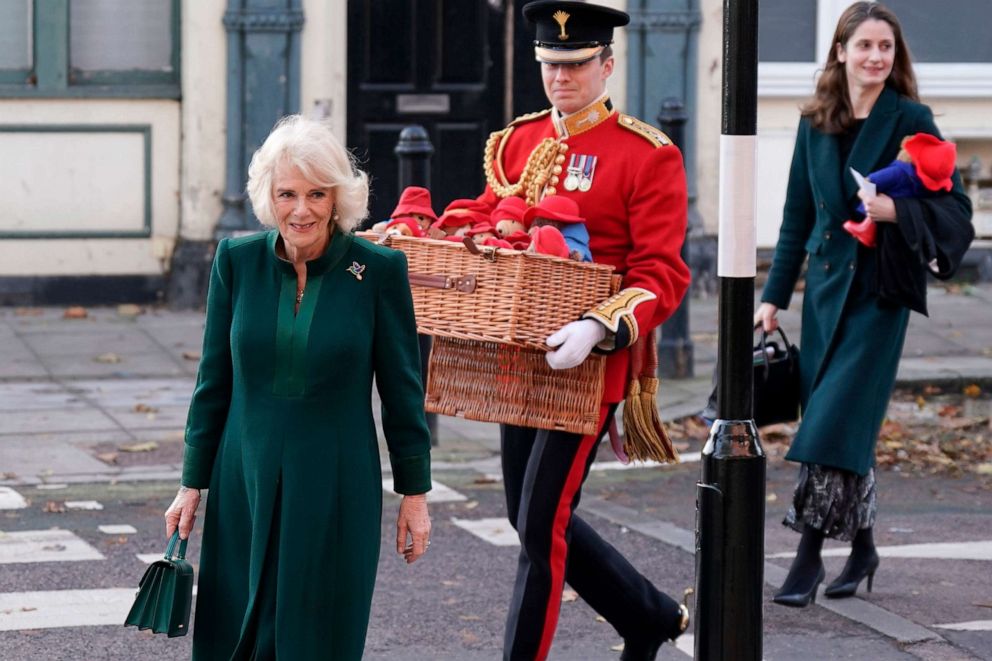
414 150
731 496
675 345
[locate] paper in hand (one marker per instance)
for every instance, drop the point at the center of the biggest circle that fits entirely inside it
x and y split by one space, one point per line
866 186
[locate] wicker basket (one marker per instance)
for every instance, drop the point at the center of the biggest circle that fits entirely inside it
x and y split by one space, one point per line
495 382
499 295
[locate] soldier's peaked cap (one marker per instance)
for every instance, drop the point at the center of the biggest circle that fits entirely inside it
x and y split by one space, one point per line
571 32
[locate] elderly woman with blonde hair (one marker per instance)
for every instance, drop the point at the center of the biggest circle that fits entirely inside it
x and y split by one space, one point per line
300 320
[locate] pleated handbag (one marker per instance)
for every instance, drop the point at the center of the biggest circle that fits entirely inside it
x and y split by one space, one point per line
165 593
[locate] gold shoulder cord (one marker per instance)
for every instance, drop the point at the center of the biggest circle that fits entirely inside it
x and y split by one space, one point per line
547 156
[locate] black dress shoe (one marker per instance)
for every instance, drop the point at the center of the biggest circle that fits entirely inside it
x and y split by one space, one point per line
799 596
648 651
855 570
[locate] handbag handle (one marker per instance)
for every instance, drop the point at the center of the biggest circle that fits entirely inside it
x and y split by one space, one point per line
172 546
762 345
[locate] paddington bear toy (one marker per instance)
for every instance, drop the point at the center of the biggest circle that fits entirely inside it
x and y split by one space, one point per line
924 165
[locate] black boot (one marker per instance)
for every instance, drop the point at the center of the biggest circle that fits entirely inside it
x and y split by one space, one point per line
672 628
862 562
805 574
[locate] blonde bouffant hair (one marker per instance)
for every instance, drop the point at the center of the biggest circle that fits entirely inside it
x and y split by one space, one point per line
309 145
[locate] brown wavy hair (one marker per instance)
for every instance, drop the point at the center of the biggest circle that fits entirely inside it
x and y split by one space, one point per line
830 108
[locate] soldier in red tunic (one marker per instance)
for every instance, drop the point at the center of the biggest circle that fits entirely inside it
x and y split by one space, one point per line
629 181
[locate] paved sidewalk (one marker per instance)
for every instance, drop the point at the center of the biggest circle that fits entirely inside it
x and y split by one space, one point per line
69 384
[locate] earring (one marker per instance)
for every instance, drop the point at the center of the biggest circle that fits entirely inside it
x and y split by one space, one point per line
334 214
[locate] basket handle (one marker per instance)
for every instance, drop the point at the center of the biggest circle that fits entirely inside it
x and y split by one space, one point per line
464 283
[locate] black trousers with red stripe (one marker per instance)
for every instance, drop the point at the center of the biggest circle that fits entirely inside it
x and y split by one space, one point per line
543 472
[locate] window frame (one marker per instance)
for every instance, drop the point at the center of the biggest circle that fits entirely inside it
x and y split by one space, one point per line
52 76
936 80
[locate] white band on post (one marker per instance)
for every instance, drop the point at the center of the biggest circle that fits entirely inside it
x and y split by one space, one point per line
737 239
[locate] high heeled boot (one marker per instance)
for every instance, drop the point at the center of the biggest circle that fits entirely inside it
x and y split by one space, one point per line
862 563
805 574
865 231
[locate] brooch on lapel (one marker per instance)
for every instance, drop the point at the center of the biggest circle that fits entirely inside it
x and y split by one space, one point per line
356 270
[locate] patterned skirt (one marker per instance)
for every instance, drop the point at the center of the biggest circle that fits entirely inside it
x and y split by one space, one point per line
834 501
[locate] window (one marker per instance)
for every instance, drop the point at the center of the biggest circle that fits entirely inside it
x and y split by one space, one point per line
71 48
952 54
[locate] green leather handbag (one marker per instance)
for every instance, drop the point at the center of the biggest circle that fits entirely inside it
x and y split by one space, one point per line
165 593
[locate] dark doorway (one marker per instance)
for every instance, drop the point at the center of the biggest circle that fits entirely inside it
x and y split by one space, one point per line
436 63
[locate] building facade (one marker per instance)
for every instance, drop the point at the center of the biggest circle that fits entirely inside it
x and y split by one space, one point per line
126 125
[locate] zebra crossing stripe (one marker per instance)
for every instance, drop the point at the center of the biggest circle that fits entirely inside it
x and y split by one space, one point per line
56 609
44 546
11 500
974 625
497 532
64 608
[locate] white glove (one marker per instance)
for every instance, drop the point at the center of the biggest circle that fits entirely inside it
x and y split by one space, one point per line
574 341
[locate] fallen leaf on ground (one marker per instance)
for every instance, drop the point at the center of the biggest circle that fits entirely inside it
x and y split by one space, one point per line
469 618
75 312
191 355
109 358
144 408
29 312
973 391
984 469
568 596
53 507
600 618
147 446
129 310
53 547
9 476
485 479
616 648
107 457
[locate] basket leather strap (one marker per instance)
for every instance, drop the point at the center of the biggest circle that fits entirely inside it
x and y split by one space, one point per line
462 283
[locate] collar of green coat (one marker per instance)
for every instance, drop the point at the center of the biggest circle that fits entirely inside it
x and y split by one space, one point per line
840 190
336 249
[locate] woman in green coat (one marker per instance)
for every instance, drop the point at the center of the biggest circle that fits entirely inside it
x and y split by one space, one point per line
865 103
300 319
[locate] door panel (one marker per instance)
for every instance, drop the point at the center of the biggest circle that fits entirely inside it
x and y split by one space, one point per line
437 63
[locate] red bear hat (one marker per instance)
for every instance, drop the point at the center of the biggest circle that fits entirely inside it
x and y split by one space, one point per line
414 199
510 207
408 222
933 160
555 207
463 212
549 241
482 228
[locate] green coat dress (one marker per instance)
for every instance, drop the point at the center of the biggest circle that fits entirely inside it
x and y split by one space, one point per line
850 344
280 429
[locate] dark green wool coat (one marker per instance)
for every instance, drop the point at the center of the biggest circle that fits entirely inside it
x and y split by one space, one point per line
281 431
850 343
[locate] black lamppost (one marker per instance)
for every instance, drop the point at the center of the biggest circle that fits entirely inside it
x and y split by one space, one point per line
731 492
414 150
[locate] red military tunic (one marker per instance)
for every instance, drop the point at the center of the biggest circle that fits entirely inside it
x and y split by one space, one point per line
635 209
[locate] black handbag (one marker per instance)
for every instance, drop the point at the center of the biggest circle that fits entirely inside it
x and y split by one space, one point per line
165 593
776 383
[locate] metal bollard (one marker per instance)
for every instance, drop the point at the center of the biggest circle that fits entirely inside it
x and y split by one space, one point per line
414 150
675 349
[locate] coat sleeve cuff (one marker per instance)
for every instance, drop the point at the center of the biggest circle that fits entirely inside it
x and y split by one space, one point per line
411 475
198 464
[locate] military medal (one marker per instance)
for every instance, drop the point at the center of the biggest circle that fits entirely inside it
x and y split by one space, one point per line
588 168
574 170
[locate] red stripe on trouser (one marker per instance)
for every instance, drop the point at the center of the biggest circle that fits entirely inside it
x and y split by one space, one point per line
559 546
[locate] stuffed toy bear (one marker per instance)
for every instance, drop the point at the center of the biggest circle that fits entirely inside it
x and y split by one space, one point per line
562 213
415 203
508 217
924 166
